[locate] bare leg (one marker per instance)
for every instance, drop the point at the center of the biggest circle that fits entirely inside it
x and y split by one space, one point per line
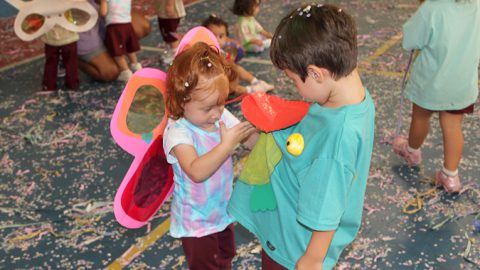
140 24
101 67
174 44
451 125
419 126
121 62
132 57
236 88
243 74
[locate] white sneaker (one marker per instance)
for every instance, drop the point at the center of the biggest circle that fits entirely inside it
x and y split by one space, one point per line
168 56
135 66
267 43
124 75
260 86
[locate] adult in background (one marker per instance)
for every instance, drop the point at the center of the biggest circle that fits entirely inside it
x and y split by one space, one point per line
94 58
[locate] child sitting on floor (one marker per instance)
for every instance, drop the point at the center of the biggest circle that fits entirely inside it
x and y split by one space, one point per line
248 31
120 39
233 52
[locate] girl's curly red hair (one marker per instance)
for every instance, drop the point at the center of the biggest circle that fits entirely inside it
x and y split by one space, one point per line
195 64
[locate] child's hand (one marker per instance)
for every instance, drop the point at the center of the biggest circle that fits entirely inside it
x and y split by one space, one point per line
233 136
257 42
267 34
309 263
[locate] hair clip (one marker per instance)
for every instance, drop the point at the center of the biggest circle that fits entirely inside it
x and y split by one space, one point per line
207 58
186 84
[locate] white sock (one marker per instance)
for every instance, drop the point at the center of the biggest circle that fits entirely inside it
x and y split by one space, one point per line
449 173
254 81
412 150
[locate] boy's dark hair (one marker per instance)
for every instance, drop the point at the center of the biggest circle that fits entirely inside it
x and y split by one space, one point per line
215 20
244 7
320 35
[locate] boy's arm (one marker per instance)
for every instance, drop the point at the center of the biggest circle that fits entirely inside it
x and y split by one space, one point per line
316 251
103 8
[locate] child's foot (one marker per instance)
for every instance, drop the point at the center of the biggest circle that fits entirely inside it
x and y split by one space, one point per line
449 183
124 75
135 66
267 43
259 86
400 147
168 56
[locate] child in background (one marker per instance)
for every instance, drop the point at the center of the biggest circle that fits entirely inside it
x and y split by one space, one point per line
120 39
60 42
319 192
169 14
247 30
93 57
232 51
198 141
444 79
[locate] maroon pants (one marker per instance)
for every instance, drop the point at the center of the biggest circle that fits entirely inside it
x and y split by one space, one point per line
120 39
269 264
211 252
70 61
168 28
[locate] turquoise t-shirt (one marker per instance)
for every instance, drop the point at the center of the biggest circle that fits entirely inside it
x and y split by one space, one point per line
445 74
321 189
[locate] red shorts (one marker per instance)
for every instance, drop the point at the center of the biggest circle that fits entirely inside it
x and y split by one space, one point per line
466 110
210 252
168 28
269 264
120 39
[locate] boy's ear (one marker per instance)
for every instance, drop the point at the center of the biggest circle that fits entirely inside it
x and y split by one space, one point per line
317 73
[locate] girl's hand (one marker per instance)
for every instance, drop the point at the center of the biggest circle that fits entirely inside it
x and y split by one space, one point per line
233 136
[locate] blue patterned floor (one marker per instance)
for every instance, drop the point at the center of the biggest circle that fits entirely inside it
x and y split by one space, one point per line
60 168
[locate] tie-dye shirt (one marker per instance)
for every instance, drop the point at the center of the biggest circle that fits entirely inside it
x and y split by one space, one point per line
198 209
119 11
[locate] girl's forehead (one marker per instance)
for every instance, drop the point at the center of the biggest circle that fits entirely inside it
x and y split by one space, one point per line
211 86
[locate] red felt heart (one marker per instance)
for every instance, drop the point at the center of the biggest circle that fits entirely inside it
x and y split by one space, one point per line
269 113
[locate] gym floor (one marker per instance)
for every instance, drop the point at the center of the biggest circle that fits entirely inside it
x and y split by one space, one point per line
60 168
